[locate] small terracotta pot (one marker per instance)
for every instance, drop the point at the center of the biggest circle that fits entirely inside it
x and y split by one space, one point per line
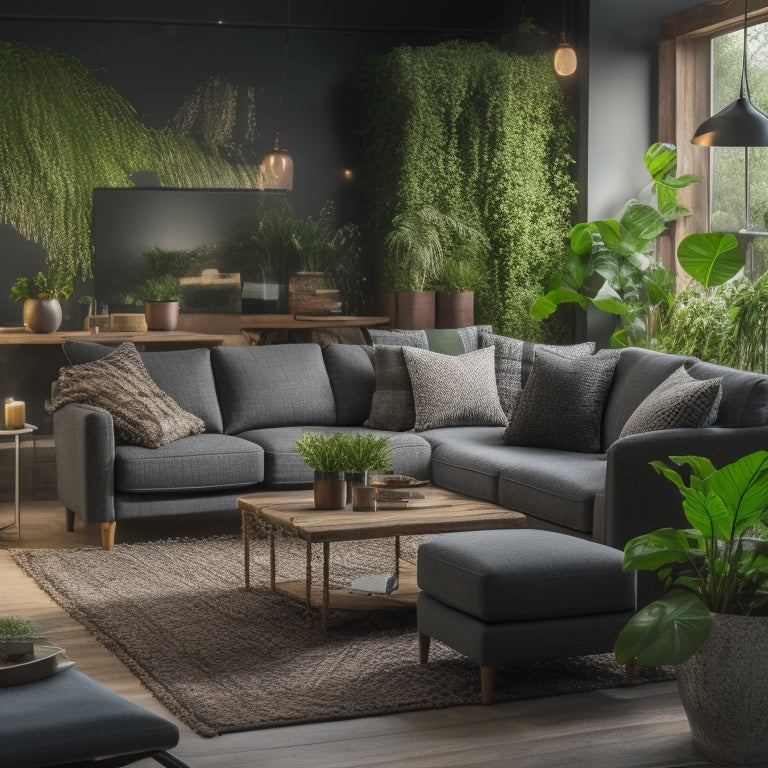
161 315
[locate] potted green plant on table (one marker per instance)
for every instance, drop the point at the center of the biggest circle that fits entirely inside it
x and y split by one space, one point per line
364 453
160 295
17 639
42 295
325 454
712 621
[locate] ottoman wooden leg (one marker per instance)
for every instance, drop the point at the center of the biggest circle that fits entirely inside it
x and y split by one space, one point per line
487 680
424 641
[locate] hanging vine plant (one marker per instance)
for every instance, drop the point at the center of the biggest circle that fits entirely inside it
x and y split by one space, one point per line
63 133
480 134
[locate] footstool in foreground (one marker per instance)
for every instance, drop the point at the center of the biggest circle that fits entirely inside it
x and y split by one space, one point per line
510 597
70 720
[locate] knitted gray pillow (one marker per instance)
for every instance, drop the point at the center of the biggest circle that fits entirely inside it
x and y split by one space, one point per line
392 403
454 390
562 403
679 401
141 412
514 359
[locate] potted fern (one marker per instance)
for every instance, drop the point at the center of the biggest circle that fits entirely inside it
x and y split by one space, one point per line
160 295
712 622
364 453
325 454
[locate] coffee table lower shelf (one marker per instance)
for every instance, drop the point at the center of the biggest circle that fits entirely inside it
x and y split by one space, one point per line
293 512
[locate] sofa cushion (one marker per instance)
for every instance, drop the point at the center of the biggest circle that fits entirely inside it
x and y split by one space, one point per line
468 460
561 406
392 402
558 487
455 341
207 462
397 338
523 575
272 386
514 359
283 467
679 401
142 413
353 381
185 374
453 390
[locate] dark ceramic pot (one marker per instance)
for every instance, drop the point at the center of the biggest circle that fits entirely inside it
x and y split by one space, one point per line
330 490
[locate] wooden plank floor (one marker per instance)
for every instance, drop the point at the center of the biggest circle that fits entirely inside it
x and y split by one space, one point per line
642 727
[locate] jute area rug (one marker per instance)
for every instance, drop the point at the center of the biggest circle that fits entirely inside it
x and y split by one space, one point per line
225 659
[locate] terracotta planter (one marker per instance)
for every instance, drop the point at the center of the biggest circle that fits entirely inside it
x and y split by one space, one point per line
455 309
42 315
724 690
387 306
161 315
330 490
415 310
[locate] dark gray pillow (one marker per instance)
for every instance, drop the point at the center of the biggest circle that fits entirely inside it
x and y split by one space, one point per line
562 403
78 352
398 338
141 412
353 381
514 359
679 401
392 404
454 390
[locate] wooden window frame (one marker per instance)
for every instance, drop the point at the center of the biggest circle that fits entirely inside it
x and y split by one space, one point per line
685 84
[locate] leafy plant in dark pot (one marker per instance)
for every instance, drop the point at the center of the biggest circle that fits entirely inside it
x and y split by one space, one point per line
712 622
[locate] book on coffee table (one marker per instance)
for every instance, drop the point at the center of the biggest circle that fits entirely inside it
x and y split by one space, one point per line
375 584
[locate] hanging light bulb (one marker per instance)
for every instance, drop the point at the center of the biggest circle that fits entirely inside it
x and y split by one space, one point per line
741 123
277 168
565 56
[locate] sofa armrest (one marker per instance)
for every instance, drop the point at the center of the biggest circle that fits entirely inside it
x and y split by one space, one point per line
638 500
85 461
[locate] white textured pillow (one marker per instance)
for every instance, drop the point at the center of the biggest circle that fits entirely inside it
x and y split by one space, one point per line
454 390
679 401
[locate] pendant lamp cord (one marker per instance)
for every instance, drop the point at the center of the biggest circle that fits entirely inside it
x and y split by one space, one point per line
285 63
744 83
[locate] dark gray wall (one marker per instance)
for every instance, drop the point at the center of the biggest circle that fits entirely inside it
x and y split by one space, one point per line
622 99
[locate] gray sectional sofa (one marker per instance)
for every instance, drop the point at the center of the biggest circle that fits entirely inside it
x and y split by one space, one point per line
254 403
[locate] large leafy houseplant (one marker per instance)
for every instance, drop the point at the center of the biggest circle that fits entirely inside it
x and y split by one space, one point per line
719 565
712 622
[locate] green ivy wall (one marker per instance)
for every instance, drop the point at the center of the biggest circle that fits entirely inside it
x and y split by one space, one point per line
482 134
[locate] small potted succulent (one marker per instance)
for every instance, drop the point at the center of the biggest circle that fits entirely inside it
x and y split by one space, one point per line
17 639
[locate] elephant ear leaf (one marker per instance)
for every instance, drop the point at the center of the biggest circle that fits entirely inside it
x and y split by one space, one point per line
711 258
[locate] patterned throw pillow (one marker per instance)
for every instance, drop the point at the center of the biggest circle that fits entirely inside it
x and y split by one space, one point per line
514 359
679 401
453 390
142 413
561 406
397 338
392 403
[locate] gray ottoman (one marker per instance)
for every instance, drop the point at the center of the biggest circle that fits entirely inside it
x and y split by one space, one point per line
519 596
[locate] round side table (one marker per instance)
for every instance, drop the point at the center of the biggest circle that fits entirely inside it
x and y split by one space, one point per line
16 433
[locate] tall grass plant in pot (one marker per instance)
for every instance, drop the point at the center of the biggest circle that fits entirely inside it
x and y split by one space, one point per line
712 622
325 454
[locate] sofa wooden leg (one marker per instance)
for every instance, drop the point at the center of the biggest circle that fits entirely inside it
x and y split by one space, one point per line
424 641
70 520
487 680
108 535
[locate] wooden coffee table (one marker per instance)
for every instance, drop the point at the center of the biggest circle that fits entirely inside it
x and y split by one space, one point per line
440 511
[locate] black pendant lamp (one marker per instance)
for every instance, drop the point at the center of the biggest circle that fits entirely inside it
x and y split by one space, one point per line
741 123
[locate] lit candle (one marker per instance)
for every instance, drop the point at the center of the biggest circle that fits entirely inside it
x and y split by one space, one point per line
15 413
